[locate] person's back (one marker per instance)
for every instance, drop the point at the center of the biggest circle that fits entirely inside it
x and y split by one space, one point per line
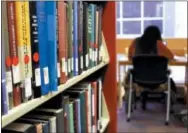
150 43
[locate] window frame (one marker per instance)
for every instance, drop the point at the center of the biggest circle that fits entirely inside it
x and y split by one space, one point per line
142 19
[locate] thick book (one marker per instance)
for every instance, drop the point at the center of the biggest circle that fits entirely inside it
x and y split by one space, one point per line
45 124
70 38
36 79
99 104
70 117
43 47
38 125
99 55
85 37
16 127
62 35
4 107
24 47
58 113
51 119
14 52
51 43
8 61
80 37
75 37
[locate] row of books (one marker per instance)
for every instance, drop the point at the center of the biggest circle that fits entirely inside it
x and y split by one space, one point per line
77 110
44 44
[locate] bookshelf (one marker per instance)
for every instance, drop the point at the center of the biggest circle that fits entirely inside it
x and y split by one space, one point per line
108 120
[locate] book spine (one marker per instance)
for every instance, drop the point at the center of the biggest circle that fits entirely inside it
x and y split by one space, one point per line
75 37
65 41
43 48
4 108
14 52
80 42
71 118
99 104
93 35
8 61
100 35
96 35
24 46
85 37
58 49
70 36
89 108
52 44
75 116
94 106
35 50
62 37
79 115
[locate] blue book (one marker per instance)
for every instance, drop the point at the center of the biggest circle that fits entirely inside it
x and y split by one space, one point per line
75 37
43 47
4 102
52 43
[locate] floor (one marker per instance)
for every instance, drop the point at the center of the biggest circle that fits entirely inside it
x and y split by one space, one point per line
151 120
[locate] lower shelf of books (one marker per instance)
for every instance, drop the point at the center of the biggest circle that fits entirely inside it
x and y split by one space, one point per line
26 107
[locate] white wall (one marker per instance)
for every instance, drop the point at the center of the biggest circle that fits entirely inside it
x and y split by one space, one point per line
181 19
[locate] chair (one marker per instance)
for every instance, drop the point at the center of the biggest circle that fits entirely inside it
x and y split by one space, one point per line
149 72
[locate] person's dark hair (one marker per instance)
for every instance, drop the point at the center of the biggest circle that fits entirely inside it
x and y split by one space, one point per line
148 41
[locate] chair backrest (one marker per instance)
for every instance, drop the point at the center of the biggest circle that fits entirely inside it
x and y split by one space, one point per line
149 69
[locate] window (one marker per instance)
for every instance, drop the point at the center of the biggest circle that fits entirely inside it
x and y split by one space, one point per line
134 16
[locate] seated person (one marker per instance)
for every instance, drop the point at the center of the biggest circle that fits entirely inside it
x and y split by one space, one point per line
150 43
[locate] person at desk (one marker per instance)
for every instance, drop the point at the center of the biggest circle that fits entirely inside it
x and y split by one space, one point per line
150 43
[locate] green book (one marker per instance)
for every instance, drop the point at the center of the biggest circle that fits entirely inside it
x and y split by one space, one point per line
71 118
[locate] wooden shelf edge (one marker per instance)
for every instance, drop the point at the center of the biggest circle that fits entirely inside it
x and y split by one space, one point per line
24 108
105 122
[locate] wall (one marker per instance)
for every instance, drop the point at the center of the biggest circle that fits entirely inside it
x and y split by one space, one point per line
176 45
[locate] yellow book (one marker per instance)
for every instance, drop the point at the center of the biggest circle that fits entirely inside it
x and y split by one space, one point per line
24 44
23 38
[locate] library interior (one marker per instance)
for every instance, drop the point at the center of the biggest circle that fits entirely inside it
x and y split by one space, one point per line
94 66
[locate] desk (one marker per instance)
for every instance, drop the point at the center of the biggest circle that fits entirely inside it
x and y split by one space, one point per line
128 62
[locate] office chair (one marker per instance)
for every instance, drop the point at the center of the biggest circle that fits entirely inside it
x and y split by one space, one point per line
149 72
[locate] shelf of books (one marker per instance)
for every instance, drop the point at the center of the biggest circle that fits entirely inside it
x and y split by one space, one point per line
50 52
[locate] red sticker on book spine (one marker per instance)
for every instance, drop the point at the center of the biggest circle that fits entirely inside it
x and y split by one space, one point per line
36 57
8 61
26 59
95 45
15 61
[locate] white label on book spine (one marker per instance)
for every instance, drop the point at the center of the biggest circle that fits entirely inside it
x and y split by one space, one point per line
9 81
93 55
69 65
87 60
76 65
37 77
81 62
72 64
65 66
28 90
46 75
16 74
58 69
90 54
96 56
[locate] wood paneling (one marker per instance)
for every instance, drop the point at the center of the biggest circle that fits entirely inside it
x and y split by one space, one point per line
110 87
176 45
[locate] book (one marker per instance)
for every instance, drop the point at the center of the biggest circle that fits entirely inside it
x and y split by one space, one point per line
58 113
38 125
51 119
36 79
8 61
24 47
16 127
4 93
43 47
51 43
45 124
